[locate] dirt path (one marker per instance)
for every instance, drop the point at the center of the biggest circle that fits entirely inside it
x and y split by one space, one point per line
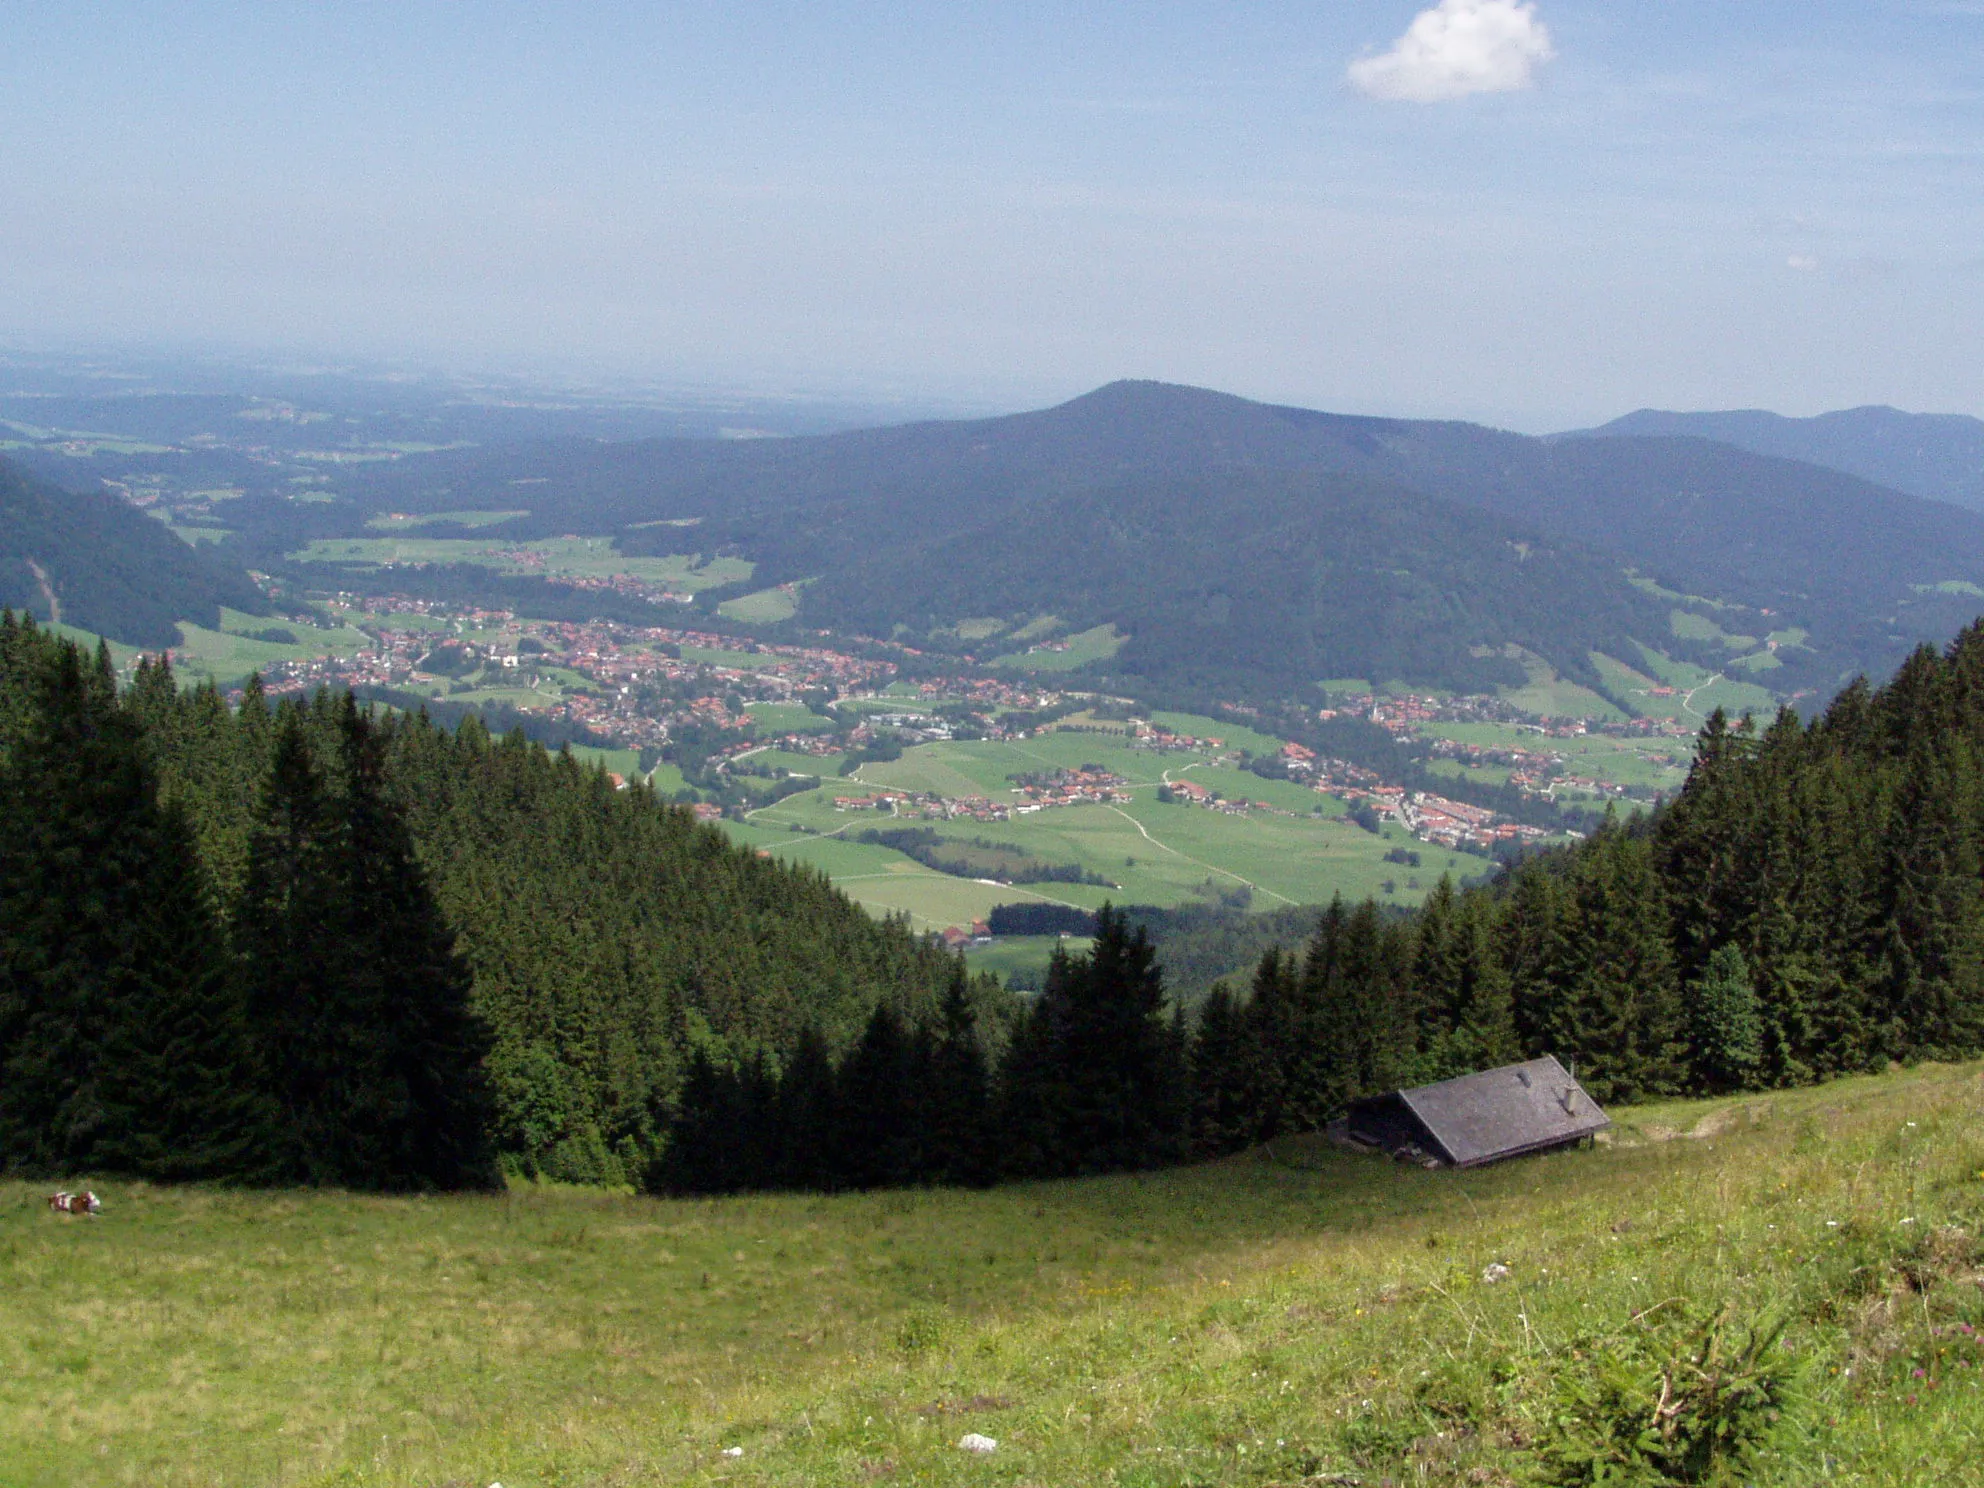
1196 862
1688 697
47 591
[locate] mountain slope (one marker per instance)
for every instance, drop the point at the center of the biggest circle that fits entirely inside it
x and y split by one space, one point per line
1937 455
1262 583
91 560
1867 570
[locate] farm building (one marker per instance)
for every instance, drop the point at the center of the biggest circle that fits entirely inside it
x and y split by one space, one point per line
1479 1118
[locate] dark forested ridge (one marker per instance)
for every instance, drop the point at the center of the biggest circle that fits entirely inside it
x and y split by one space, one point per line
1937 455
105 566
1260 583
372 952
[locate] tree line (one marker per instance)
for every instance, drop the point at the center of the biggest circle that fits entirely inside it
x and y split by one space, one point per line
1811 905
1090 1078
301 943
327 1038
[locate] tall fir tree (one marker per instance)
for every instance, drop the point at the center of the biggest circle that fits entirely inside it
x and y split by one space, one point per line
121 1047
1225 1110
957 1102
360 1007
1725 1034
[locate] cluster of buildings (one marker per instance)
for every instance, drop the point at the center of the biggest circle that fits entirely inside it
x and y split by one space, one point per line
1455 824
1194 794
1087 786
1144 735
914 728
957 937
1090 785
925 806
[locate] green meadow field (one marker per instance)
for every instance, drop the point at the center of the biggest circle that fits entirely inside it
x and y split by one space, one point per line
1630 762
555 557
762 606
1083 647
1292 1315
1302 851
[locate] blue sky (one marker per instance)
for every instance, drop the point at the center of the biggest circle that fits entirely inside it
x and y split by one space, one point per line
1681 205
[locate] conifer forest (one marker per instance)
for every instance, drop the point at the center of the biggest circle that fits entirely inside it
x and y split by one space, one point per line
306 943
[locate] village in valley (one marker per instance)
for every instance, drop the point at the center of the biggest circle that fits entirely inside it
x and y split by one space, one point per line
794 743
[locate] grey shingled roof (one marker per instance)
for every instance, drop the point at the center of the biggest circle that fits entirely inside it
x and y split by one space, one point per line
1505 1112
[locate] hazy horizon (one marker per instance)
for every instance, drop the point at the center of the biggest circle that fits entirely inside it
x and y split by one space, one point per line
1541 216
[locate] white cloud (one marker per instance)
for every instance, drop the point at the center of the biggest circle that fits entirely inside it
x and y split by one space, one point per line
1457 48
1802 263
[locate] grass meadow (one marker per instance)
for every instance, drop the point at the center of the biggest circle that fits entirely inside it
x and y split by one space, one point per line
1079 649
1290 1315
762 606
553 557
1547 695
1302 852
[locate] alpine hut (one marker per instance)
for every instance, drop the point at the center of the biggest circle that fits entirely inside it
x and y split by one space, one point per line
1479 1118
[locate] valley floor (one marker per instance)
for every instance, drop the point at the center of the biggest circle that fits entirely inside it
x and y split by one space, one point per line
1294 1313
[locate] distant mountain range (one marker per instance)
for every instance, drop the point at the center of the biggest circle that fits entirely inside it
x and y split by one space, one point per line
1938 455
1231 539
92 560
906 528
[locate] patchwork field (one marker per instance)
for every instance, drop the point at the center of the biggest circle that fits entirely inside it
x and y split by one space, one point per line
1654 764
556 557
1694 694
1547 695
231 653
403 521
1301 851
1291 1315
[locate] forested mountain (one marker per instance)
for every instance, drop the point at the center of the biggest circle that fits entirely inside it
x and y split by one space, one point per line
89 559
1937 455
1259 583
1854 563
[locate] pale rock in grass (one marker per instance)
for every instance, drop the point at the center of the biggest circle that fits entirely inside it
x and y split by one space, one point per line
971 1441
733 1451
1495 1272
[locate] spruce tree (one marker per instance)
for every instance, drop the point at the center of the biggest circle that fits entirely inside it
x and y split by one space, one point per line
1224 1102
806 1106
702 1154
424 1096
956 1100
371 1053
288 933
1483 1033
1265 1057
1725 1032
121 1047
876 1140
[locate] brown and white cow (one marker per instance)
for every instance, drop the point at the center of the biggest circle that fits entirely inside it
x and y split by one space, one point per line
83 1203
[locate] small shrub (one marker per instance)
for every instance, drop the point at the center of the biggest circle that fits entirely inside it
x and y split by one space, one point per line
1683 1404
922 1329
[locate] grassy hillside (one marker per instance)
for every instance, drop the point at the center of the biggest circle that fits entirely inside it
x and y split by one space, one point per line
1281 1317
